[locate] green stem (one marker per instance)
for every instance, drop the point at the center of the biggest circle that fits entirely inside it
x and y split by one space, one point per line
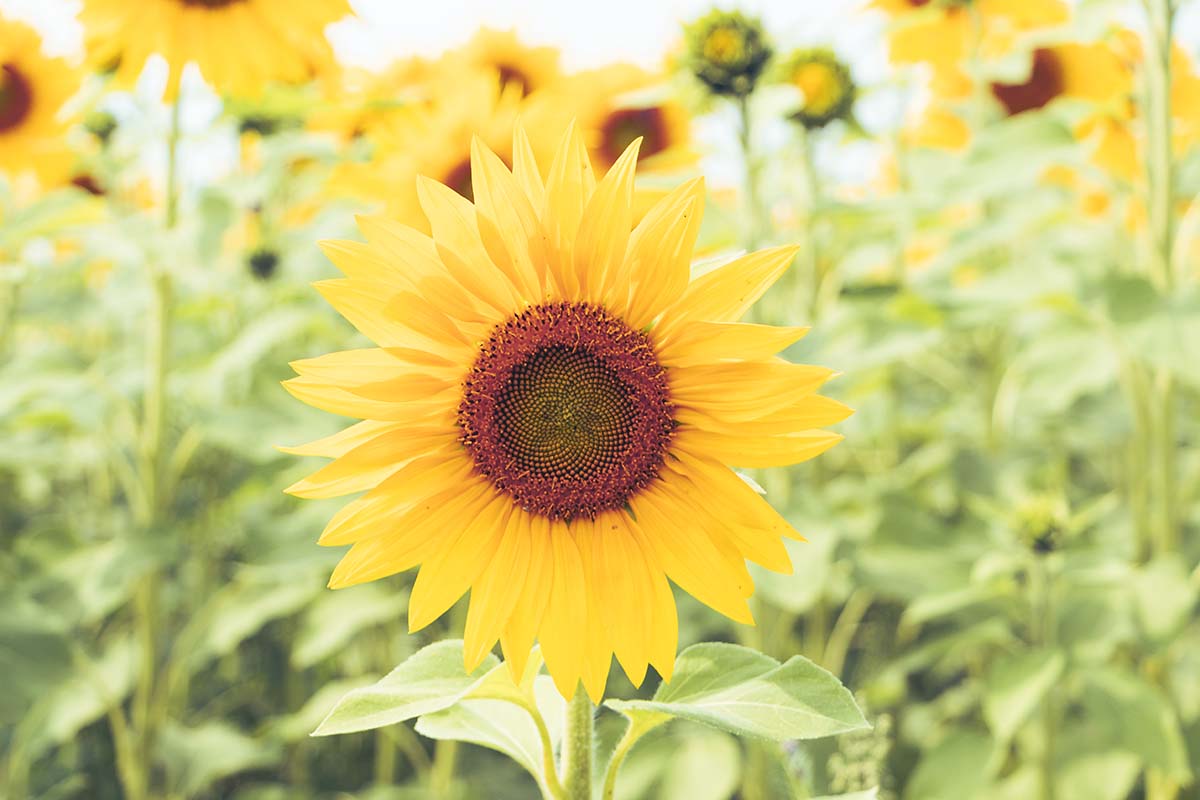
577 748
754 205
441 775
812 200
1043 633
147 715
548 769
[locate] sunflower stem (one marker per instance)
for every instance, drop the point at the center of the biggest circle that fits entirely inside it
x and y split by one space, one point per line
812 199
577 747
751 165
146 717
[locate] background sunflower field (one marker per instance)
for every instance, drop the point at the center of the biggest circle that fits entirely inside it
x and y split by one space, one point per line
997 204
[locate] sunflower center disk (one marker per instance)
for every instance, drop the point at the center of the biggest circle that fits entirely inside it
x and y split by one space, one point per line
566 410
16 97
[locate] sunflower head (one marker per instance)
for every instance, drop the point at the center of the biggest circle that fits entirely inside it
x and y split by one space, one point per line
1046 82
514 64
825 83
33 90
550 411
727 51
239 46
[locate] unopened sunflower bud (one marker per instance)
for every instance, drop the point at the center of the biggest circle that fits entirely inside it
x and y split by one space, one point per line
100 124
727 51
825 83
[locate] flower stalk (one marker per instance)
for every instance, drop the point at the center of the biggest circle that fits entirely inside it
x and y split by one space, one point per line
577 748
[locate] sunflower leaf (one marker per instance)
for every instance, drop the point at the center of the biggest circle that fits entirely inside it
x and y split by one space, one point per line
750 694
433 679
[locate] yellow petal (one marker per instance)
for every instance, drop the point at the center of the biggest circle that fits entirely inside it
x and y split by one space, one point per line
508 224
813 411
757 451
367 465
693 343
447 576
496 592
658 262
516 640
726 293
561 633
343 441
568 188
689 560
744 390
604 230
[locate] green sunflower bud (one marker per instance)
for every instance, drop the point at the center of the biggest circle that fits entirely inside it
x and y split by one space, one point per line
727 51
826 85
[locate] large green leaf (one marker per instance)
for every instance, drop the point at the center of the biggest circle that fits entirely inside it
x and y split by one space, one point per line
1139 717
433 679
1017 685
502 725
196 757
747 693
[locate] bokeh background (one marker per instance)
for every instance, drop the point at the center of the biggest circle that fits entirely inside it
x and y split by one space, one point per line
1002 258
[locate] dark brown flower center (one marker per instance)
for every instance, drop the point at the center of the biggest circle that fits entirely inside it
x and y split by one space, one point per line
513 76
16 97
566 410
1044 84
458 178
622 126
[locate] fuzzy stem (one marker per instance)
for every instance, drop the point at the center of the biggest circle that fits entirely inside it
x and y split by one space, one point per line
751 165
577 748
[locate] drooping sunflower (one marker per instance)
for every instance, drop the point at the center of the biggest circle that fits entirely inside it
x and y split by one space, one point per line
550 412
33 89
239 45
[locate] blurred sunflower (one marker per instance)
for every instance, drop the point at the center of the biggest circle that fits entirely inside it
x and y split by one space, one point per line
1090 72
501 53
431 139
358 102
615 105
826 88
239 45
33 89
550 410
946 35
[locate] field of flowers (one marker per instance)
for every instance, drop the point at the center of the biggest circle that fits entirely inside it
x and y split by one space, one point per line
561 332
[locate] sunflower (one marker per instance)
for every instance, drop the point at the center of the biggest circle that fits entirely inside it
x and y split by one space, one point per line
946 34
502 54
613 106
727 52
825 85
358 102
239 45
431 139
33 89
550 410
1090 72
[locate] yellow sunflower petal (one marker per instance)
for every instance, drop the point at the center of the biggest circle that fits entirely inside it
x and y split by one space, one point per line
516 640
658 261
758 451
568 188
725 294
694 343
447 576
495 593
604 230
562 634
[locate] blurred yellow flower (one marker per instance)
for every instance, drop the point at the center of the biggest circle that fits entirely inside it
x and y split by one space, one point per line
239 45
826 88
33 89
549 414
938 128
1091 72
431 139
501 53
358 102
613 106
946 35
